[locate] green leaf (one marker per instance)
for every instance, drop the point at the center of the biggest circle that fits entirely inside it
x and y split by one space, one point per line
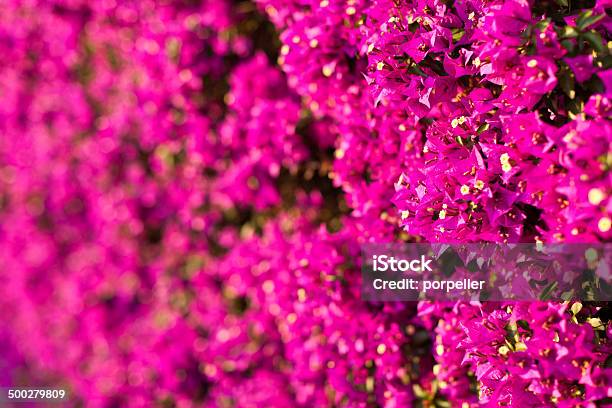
587 19
419 391
595 41
566 80
415 69
440 403
567 295
584 15
543 25
569 32
569 46
482 128
523 324
575 106
561 2
596 323
548 290
606 62
458 34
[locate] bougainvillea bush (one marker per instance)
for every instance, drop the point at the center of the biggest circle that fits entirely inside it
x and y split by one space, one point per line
184 186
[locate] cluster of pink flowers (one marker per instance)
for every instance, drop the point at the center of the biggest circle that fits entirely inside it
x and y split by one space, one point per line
184 187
